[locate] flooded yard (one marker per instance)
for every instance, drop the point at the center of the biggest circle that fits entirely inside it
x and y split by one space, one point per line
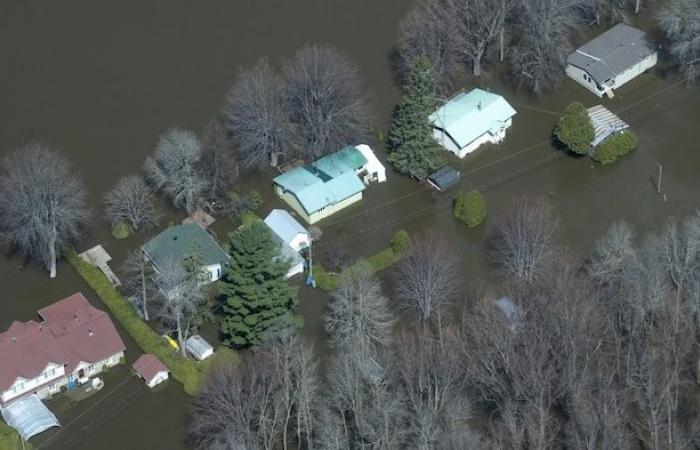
101 82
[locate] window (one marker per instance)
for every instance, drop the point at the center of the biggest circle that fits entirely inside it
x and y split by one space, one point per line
19 387
50 372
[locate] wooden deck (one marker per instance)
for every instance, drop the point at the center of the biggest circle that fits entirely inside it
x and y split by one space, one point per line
98 257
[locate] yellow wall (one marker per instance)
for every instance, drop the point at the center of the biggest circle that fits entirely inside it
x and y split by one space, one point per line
318 215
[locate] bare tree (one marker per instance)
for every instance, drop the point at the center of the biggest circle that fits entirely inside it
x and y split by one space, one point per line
42 204
428 31
238 406
679 21
477 25
257 118
325 97
182 303
174 169
358 316
521 243
597 11
132 202
218 162
543 29
138 280
426 279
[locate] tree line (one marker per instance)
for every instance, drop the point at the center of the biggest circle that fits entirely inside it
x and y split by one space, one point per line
562 352
532 37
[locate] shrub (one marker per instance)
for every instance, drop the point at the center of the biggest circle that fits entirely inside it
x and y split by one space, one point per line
254 200
183 370
575 129
470 208
401 241
615 147
121 230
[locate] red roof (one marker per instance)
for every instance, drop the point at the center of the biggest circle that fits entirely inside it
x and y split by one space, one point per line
148 366
72 331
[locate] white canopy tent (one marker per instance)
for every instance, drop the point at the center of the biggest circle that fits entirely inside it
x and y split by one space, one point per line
29 416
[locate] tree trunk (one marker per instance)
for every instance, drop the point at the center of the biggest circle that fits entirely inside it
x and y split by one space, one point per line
143 293
274 159
637 5
502 40
52 254
477 63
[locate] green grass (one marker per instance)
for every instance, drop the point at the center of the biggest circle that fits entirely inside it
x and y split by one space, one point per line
186 371
10 440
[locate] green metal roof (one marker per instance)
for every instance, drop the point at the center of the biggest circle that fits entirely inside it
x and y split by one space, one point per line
469 115
326 181
176 242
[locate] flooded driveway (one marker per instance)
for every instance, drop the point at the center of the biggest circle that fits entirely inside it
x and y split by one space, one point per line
101 82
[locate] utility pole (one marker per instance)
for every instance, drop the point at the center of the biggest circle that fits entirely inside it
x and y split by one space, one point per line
658 180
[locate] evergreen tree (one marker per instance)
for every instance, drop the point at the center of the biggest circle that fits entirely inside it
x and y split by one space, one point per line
413 149
194 264
257 301
575 129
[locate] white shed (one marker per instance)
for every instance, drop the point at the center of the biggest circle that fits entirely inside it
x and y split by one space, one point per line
288 229
198 347
373 170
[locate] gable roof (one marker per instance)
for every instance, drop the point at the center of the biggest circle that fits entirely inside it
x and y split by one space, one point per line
72 331
326 181
467 116
612 52
176 243
148 366
284 225
445 178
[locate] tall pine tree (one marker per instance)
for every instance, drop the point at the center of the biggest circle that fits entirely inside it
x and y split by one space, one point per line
413 149
257 301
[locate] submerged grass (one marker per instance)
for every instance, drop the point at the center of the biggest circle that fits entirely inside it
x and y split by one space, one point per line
186 371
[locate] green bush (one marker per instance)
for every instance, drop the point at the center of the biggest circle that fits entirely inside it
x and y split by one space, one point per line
325 280
401 241
249 217
383 260
470 208
254 200
121 230
575 129
182 369
615 147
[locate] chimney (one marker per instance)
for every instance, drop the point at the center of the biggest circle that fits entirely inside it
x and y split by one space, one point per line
90 333
75 316
479 105
14 339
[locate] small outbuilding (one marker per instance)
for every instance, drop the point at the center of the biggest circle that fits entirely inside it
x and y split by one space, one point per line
612 59
605 123
288 229
444 178
198 347
151 369
468 120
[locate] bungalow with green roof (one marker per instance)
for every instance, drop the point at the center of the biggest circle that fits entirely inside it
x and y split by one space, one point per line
327 185
469 120
178 242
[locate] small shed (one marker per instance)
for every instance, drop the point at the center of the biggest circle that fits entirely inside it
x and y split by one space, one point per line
444 178
97 256
288 229
29 416
151 369
198 347
605 123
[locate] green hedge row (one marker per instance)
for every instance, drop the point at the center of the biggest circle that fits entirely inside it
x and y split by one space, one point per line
184 370
615 147
378 262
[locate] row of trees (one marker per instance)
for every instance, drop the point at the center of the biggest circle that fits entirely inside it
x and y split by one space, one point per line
533 37
562 353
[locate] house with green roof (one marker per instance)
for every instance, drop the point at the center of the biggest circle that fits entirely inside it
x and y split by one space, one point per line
329 184
178 242
469 120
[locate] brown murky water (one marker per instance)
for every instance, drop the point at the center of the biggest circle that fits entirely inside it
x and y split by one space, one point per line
102 81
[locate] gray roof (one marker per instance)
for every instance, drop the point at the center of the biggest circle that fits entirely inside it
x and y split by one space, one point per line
445 178
197 345
612 53
284 225
29 416
176 242
605 123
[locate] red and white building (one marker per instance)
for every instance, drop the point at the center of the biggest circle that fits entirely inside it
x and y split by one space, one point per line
73 341
151 369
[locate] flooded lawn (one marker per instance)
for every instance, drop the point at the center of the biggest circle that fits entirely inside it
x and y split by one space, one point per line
102 81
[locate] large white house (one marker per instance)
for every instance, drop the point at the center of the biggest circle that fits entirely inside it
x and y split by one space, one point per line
73 342
611 59
329 184
469 120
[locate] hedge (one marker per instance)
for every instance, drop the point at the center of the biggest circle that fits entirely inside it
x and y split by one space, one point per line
615 147
470 208
182 369
10 439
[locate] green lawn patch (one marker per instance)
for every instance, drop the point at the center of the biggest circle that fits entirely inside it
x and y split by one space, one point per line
10 439
186 371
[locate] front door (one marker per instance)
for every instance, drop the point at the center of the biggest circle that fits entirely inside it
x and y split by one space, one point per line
81 373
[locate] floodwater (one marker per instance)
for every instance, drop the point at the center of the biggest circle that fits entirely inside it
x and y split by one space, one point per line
101 81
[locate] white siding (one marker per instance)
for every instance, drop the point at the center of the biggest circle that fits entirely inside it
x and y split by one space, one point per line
582 78
299 241
635 71
293 270
159 378
51 373
214 272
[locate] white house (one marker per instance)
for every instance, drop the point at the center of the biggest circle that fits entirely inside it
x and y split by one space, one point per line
151 369
288 229
73 342
174 244
611 59
469 120
331 183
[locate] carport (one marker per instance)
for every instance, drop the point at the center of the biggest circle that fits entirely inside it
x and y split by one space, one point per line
29 416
